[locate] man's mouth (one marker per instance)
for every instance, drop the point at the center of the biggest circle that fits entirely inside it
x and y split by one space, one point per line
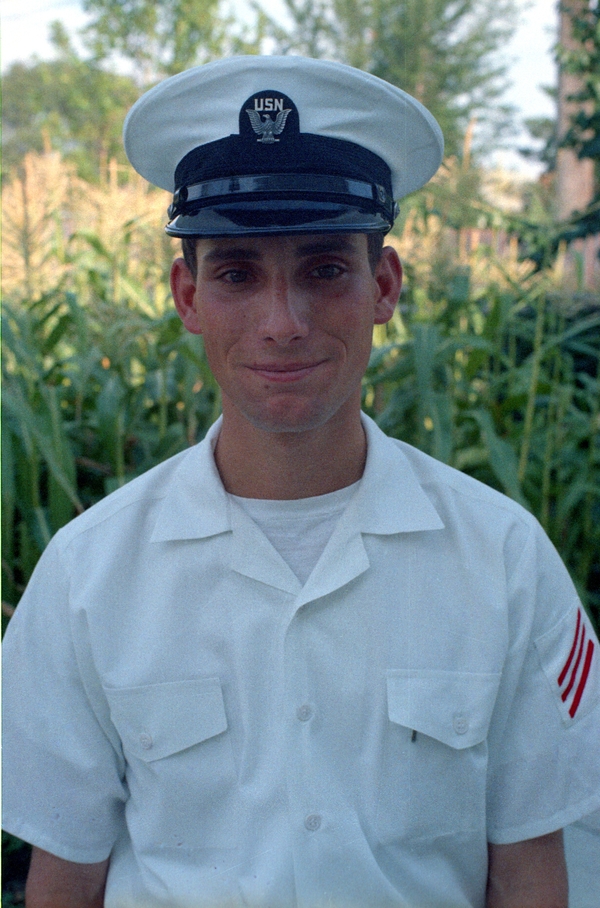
285 372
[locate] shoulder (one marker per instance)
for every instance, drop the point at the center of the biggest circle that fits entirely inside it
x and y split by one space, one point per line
486 529
130 503
468 515
446 483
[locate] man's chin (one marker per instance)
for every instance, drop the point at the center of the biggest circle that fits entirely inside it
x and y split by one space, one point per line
281 426
289 419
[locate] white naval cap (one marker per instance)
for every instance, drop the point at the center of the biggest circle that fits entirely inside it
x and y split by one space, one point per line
262 145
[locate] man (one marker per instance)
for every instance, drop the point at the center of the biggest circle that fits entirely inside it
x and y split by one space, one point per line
301 664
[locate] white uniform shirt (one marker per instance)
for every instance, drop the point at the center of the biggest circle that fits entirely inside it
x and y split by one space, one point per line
175 696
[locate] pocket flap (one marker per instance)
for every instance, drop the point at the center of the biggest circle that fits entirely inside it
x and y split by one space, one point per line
452 707
157 720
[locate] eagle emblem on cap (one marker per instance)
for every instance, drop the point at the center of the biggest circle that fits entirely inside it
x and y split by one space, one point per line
267 129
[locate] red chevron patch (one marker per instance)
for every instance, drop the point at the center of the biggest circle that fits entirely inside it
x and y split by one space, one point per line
575 672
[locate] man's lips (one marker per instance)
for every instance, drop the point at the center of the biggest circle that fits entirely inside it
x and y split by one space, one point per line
285 372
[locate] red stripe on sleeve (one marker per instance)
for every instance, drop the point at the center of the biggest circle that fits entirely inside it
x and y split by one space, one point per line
563 673
583 680
569 686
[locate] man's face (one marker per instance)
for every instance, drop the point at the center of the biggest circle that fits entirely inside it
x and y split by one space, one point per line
287 323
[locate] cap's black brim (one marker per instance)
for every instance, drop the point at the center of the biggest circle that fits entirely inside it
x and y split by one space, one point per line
272 217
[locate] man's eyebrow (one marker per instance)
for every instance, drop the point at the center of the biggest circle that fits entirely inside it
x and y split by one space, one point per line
222 254
318 247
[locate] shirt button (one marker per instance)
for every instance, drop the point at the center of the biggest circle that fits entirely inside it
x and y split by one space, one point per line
312 822
145 741
304 712
460 723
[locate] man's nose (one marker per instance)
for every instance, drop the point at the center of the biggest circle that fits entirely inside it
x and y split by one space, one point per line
284 313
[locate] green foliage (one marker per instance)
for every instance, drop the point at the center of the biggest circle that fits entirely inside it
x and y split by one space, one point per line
502 385
76 106
163 37
583 60
69 105
541 237
544 131
440 51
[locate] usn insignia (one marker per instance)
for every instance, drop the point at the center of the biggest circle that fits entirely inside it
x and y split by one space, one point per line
267 129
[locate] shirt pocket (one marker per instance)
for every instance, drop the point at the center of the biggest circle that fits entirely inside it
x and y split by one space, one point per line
434 753
180 768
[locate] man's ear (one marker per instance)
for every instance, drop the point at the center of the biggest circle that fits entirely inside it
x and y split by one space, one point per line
183 288
388 276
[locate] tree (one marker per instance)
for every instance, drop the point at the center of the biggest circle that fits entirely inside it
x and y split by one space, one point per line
544 131
163 37
68 105
579 59
441 51
565 207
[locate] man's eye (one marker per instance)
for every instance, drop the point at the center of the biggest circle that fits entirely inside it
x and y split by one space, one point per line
235 276
327 272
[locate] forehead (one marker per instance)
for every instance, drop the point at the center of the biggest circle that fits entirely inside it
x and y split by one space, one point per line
256 248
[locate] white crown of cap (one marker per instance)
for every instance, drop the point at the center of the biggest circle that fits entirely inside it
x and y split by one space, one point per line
202 105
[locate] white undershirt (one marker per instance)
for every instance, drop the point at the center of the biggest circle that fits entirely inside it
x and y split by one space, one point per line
299 529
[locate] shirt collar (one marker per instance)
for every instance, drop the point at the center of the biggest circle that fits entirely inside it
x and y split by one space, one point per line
196 504
389 499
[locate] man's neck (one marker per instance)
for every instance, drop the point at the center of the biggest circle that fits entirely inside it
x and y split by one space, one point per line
290 465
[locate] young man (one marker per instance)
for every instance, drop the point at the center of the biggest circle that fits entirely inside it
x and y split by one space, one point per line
301 664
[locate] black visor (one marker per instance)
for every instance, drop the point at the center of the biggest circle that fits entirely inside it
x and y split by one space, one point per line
276 203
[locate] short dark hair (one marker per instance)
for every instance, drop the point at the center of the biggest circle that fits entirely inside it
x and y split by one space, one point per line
374 249
188 248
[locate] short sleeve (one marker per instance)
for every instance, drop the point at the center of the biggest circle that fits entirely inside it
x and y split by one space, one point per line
544 765
63 787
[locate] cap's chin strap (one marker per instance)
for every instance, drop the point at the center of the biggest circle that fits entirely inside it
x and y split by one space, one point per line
281 186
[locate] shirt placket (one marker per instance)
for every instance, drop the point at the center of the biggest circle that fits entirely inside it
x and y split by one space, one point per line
308 810
314 817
